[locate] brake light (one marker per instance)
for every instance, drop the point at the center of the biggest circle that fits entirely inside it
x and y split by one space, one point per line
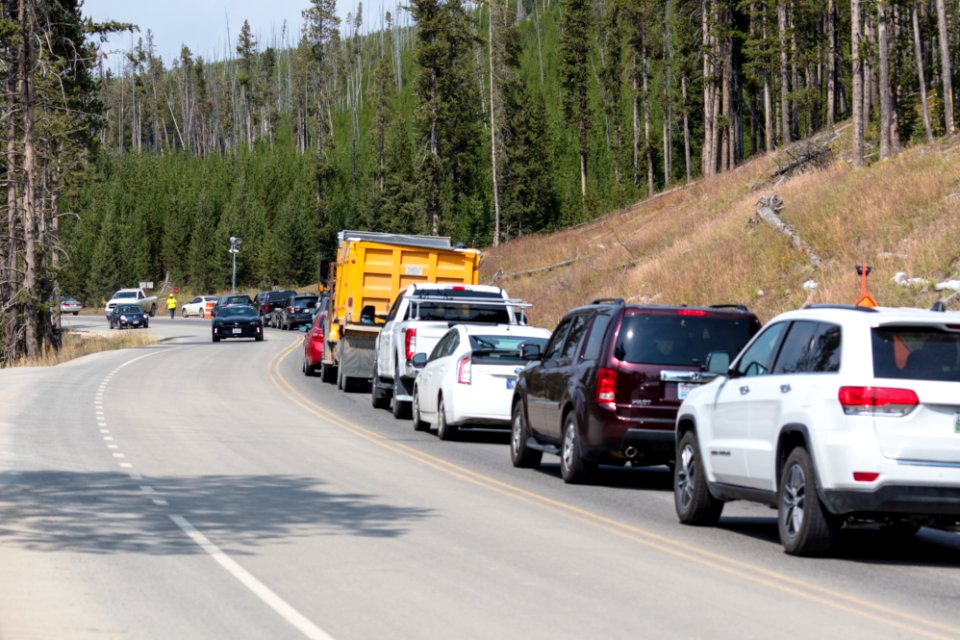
459 288
865 476
318 336
410 343
289 309
877 401
464 370
691 312
266 308
606 394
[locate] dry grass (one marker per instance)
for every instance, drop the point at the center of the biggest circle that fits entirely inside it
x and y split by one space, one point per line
698 246
79 344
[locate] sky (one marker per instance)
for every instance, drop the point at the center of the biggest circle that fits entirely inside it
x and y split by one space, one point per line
202 25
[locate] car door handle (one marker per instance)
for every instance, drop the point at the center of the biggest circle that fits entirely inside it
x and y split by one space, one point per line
744 390
785 388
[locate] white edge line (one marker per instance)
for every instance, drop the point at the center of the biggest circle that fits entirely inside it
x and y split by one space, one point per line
262 591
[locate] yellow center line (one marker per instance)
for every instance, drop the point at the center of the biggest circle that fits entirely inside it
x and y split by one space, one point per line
693 553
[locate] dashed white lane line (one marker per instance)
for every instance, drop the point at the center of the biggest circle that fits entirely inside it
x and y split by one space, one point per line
262 591
126 465
147 489
104 430
161 502
113 446
107 438
119 455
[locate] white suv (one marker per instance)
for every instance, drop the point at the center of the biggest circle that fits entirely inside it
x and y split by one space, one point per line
834 415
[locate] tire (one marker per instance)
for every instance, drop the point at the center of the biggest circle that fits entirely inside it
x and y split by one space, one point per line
418 423
153 311
183 312
806 527
573 468
521 455
691 496
328 373
378 399
399 409
203 314
146 324
445 431
258 337
216 339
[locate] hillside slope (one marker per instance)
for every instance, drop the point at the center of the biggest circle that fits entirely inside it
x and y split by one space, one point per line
703 244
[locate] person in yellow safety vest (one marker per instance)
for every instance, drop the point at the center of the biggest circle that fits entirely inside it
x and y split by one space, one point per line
172 305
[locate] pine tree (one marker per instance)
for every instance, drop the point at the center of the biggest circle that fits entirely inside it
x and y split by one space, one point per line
575 49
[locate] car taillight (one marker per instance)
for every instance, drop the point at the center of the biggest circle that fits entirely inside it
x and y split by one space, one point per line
289 309
266 308
465 370
606 388
318 336
877 401
410 343
691 312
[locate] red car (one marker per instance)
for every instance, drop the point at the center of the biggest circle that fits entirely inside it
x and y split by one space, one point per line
313 345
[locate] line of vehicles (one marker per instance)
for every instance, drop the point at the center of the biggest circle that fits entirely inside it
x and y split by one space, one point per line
836 416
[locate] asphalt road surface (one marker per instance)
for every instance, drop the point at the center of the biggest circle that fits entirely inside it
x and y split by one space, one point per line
198 490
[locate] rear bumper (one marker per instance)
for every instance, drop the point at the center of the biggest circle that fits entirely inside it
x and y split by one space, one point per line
905 499
609 436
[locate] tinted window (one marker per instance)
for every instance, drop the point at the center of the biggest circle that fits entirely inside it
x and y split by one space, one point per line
128 308
577 328
916 353
304 301
595 341
501 349
446 346
758 358
556 340
680 340
459 312
794 353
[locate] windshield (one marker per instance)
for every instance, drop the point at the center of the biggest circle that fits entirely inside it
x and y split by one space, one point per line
501 349
128 308
916 353
680 340
237 312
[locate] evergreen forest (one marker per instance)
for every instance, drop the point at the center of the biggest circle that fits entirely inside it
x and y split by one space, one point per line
484 122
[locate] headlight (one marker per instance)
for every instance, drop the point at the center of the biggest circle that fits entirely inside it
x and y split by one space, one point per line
124 318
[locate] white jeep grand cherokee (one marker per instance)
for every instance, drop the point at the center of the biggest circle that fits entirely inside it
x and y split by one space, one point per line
833 415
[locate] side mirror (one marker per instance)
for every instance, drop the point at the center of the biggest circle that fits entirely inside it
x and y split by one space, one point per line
530 352
718 362
419 360
368 315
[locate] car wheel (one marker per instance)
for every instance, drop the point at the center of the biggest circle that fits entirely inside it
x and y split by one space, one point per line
573 467
202 314
399 408
328 373
146 324
444 431
183 312
378 397
691 497
806 527
216 338
418 423
258 337
153 311
521 455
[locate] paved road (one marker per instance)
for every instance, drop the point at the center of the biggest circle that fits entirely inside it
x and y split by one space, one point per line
198 490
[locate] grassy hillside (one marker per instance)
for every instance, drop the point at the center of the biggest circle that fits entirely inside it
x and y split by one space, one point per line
702 244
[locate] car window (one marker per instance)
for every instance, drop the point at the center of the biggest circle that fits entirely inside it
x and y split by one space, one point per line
810 347
556 340
446 346
503 349
680 339
758 358
577 328
916 353
393 309
598 330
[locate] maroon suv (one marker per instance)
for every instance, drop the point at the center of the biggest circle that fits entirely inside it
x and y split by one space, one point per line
607 386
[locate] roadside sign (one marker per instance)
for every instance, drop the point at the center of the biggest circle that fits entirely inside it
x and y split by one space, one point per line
146 285
176 289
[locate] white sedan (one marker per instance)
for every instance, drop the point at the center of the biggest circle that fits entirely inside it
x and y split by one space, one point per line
197 306
469 377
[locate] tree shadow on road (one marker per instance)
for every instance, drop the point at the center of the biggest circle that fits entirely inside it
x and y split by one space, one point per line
110 513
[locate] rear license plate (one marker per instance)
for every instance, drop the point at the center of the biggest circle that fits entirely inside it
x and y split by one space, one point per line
684 389
237 330
511 383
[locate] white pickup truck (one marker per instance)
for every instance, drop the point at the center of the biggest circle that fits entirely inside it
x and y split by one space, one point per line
148 304
419 317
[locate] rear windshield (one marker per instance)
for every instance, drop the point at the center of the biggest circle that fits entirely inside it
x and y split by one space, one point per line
238 300
501 349
465 312
278 296
680 340
304 301
916 353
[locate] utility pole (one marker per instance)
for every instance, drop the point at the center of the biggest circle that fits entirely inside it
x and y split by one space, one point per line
234 250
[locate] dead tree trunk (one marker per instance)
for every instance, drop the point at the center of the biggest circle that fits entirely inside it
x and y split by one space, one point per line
857 91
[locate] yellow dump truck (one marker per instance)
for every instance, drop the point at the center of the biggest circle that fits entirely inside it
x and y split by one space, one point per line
371 269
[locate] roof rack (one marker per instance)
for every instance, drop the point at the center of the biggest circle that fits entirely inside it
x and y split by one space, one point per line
487 302
608 301
845 307
735 307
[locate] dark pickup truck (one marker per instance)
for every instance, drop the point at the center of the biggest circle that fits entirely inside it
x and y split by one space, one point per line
297 310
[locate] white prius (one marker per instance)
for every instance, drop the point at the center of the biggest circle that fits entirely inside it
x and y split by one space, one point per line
468 378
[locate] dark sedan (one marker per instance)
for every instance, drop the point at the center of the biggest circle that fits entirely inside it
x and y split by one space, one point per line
237 322
127 315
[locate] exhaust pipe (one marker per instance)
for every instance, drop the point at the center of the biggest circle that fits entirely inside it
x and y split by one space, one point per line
630 452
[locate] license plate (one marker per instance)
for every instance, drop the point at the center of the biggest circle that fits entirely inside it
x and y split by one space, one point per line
684 389
511 383
237 330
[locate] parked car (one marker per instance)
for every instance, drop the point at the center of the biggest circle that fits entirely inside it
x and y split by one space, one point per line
313 344
70 305
197 306
122 316
469 377
266 302
237 321
833 415
607 386
297 310
230 300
